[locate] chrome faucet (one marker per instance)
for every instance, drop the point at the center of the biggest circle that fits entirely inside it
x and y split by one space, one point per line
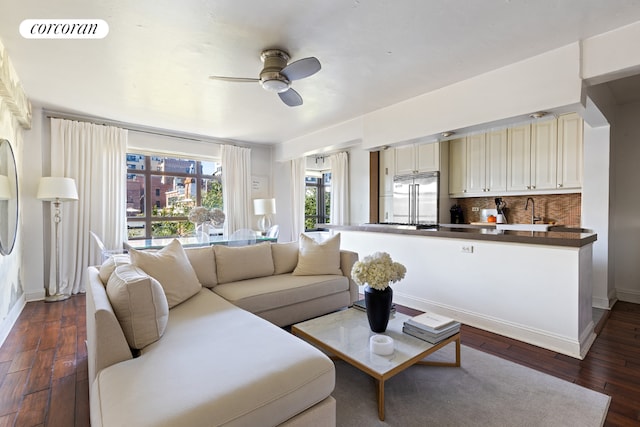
534 218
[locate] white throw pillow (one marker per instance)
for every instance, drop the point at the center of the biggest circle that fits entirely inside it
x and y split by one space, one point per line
110 264
139 304
285 257
318 258
234 263
171 267
203 261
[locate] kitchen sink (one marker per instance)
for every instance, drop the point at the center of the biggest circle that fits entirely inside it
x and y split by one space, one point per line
523 227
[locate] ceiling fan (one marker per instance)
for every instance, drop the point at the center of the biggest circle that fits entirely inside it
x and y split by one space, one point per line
277 74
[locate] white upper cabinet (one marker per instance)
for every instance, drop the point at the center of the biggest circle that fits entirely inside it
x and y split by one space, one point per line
544 155
476 164
416 158
496 160
457 166
570 155
519 158
487 162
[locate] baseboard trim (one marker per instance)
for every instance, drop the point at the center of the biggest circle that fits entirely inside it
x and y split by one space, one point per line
575 348
35 296
628 295
10 320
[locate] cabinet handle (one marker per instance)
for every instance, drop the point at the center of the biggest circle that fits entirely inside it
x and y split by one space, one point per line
464 191
533 187
559 185
528 187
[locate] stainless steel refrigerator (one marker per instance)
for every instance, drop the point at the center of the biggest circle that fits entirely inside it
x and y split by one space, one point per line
415 198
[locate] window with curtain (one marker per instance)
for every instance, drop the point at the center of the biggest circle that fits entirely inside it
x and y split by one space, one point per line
317 203
161 191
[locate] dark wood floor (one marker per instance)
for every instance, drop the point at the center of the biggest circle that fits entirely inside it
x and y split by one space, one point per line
43 364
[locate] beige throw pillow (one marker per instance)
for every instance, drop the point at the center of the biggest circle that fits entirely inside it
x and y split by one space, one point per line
285 257
110 264
235 263
318 258
139 304
171 267
203 261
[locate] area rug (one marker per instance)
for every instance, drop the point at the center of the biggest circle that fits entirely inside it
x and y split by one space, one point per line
485 391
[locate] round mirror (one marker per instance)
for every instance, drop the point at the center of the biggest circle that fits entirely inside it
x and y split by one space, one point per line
8 198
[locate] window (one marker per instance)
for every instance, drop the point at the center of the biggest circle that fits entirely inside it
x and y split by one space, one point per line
317 201
161 191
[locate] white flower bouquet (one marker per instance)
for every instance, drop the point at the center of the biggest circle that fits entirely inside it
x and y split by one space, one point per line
377 271
216 216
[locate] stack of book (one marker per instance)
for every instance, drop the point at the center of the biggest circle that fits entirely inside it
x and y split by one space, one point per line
360 305
431 327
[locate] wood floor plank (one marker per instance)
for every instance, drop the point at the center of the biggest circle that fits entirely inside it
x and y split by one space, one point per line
40 377
61 410
12 391
23 360
82 403
68 341
33 409
8 420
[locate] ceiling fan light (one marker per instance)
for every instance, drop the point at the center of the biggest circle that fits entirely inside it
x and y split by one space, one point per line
275 85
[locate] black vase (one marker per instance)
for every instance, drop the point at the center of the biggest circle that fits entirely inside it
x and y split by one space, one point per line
378 304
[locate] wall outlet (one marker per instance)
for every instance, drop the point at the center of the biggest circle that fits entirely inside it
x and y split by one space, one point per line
467 249
475 209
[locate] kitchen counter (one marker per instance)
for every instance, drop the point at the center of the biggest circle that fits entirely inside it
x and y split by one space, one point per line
557 236
535 287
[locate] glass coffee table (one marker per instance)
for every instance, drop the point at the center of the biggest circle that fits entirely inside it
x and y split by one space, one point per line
345 334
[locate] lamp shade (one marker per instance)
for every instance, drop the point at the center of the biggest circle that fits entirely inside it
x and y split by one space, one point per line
5 188
264 206
54 188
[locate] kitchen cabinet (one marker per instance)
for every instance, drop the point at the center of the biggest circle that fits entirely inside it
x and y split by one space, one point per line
457 166
487 162
387 171
416 158
544 155
519 158
570 142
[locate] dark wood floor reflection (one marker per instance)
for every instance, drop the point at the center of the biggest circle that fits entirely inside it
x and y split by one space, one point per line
43 364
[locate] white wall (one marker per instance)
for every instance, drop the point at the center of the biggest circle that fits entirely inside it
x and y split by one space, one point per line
626 206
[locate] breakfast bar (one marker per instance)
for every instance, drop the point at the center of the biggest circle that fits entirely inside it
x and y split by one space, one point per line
532 286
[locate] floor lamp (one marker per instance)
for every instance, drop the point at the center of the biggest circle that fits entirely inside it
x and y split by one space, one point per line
57 190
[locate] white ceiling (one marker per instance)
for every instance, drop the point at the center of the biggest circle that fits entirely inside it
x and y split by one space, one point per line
152 69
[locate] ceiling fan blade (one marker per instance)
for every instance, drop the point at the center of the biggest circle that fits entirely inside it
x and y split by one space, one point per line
302 68
234 79
291 98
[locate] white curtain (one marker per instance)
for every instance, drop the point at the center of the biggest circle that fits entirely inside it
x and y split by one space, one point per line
95 157
339 164
236 187
298 168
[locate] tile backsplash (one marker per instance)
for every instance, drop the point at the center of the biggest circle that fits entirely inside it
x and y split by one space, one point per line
564 209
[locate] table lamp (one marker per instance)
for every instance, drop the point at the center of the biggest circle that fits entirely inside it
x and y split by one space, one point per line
57 190
264 207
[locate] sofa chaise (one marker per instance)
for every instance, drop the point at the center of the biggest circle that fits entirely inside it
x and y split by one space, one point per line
179 336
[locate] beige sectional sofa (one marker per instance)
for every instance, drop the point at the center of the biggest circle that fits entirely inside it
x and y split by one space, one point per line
179 337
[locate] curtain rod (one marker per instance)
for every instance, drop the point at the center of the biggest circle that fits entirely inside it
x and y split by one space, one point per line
52 114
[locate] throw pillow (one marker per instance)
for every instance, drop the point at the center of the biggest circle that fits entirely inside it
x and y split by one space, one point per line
318 257
110 264
203 261
285 257
139 304
171 267
235 263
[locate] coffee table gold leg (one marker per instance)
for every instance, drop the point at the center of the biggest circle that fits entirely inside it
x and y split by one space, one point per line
381 400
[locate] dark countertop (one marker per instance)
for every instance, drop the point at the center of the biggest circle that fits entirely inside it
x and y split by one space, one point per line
565 238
